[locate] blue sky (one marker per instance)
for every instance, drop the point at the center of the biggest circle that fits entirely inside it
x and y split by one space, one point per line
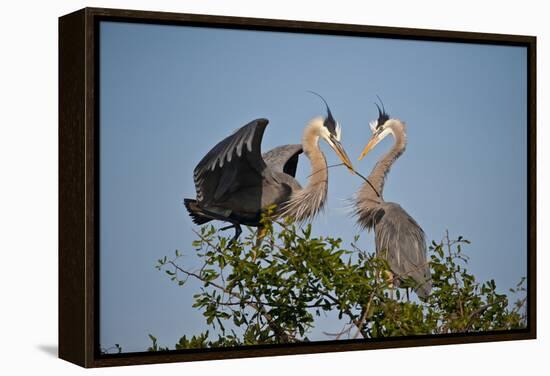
169 93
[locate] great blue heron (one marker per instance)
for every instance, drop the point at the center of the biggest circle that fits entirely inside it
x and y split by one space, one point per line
235 183
399 239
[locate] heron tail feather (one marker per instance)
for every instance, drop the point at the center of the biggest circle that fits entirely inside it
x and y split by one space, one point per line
195 212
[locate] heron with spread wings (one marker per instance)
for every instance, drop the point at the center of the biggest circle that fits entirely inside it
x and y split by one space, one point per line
399 239
235 183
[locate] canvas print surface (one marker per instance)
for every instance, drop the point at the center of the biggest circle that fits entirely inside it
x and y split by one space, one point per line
235 211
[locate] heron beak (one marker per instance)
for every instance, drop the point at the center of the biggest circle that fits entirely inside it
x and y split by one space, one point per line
372 143
339 149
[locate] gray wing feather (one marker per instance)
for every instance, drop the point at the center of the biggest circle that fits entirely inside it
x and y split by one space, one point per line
402 240
283 158
231 163
369 216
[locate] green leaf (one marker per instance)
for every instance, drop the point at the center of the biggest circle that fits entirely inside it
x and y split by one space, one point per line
296 274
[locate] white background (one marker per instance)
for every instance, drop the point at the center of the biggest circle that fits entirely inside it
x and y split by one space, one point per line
28 186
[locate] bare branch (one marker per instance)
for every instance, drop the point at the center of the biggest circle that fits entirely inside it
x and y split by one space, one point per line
280 332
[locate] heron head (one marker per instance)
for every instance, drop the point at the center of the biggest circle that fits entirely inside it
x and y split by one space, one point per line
331 132
379 128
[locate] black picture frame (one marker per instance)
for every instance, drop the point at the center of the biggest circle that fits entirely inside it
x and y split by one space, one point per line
79 179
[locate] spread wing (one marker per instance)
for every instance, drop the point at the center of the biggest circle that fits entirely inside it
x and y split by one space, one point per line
284 158
234 162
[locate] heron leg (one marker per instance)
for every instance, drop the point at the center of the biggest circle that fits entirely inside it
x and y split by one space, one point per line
238 232
234 224
390 279
260 235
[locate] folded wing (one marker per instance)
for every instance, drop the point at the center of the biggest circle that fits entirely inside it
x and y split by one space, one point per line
284 158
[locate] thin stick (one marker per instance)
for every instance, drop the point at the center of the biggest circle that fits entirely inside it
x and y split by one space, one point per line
367 180
326 168
354 171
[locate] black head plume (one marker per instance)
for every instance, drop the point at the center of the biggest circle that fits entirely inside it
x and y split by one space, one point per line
382 115
330 122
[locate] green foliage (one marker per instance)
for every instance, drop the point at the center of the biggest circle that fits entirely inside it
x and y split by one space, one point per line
154 346
271 287
116 349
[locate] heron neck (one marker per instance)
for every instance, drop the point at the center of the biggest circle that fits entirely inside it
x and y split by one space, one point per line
304 204
378 174
319 171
